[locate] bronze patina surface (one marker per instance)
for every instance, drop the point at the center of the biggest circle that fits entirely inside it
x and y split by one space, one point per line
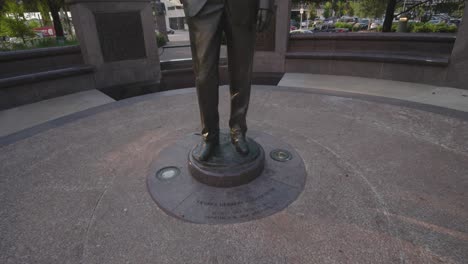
239 20
226 167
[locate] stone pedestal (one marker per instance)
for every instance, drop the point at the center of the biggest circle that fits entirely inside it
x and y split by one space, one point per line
272 44
231 189
118 39
457 74
226 167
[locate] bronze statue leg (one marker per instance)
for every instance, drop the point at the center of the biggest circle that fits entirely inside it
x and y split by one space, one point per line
240 43
205 39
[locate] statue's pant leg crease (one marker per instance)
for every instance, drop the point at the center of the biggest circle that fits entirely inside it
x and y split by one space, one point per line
241 43
205 39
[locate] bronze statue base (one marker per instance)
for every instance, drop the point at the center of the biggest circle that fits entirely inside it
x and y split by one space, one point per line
226 167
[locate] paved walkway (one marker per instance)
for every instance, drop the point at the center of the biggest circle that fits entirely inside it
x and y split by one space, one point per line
421 93
25 116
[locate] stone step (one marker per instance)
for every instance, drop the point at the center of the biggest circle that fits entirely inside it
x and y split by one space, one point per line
26 116
446 97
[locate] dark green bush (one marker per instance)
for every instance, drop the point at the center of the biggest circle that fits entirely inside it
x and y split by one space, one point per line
432 28
421 27
162 41
36 43
343 25
356 27
45 43
444 28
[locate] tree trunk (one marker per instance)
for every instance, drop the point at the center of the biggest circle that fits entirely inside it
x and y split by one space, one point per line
387 25
67 19
54 10
44 11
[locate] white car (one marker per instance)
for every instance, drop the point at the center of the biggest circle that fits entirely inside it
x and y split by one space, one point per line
375 25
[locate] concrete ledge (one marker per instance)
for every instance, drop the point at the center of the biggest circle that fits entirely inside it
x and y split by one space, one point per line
446 97
31 91
22 62
409 57
371 57
45 75
184 64
178 74
439 37
38 53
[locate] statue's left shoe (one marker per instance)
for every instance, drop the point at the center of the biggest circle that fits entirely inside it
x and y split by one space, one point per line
240 143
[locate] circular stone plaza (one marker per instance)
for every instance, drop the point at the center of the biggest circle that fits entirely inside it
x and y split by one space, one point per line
362 155
386 183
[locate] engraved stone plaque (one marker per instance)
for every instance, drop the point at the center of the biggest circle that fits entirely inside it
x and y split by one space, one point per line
120 36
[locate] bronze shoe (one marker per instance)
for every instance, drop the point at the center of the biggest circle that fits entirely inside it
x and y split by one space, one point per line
240 143
208 145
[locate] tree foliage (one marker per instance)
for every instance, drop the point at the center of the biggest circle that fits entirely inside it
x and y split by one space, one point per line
13 23
44 7
371 8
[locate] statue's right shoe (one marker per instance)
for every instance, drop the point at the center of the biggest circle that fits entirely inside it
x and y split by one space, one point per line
207 150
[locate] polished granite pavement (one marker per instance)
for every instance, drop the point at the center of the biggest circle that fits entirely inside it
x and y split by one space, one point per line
387 183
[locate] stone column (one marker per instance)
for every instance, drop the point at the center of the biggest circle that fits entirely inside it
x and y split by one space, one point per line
272 44
119 39
458 68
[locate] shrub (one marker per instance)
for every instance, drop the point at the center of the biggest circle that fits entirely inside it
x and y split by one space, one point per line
162 41
394 27
343 25
356 27
421 28
45 42
444 28
432 28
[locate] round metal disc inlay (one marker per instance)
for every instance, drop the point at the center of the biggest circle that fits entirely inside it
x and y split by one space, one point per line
167 173
182 196
281 155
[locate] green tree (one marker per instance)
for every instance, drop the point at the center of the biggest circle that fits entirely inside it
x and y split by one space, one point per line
349 8
327 9
371 8
13 22
312 11
52 6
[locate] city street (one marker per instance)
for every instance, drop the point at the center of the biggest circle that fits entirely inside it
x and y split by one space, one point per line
179 36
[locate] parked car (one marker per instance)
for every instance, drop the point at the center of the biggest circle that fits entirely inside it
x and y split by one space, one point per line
301 32
435 21
348 19
326 28
341 30
455 22
363 24
291 28
375 24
